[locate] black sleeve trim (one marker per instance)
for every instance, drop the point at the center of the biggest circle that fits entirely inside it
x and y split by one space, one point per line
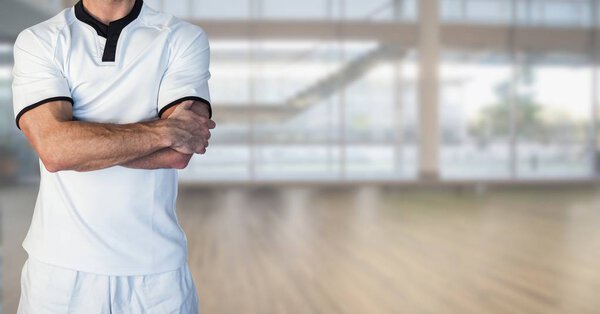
39 103
196 98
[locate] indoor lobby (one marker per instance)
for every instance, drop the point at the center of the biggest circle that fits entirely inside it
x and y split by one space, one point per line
382 156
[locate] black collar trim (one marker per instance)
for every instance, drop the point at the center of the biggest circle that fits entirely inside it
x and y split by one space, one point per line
114 27
112 31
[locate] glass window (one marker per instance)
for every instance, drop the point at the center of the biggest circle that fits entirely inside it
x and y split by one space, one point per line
577 13
291 10
474 115
555 12
280 106
554 108
477 11
380 114
221 9
306 9
297 140
369 10
297 161
224 162
231 71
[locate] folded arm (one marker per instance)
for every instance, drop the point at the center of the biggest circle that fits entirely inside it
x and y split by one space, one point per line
168 157
64 144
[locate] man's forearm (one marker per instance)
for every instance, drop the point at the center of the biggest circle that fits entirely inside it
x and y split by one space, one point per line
87 146
168 158
162 159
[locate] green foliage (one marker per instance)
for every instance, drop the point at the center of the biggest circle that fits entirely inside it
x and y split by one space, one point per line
533 121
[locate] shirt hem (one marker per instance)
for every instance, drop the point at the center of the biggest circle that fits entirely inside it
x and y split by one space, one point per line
104 272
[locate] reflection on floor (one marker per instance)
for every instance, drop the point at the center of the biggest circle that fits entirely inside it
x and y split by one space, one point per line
367 250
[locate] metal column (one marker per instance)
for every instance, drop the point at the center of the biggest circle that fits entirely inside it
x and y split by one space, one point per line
429 52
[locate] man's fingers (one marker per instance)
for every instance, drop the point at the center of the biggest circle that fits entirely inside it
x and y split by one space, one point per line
211 124
200 150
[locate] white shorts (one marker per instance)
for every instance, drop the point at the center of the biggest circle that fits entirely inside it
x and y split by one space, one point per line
48 289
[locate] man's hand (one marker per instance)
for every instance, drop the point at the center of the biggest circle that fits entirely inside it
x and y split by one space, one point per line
169 157
191 131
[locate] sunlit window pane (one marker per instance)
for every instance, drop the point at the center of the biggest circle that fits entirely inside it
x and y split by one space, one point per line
323 109
478 11
306 9
380 114
555 12
224 162
314 162
221 9
474 115
574 13
554 107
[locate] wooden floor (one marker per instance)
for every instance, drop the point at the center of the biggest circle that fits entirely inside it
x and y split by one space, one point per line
376 251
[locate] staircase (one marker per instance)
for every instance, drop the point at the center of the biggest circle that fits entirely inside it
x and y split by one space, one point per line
348 74
318 91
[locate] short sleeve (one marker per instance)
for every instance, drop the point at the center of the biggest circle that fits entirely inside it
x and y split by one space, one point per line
37 79
187 75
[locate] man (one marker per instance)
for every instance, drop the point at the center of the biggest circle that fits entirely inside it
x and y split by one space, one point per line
113 96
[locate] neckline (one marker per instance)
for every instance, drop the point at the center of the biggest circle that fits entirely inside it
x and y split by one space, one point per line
114 27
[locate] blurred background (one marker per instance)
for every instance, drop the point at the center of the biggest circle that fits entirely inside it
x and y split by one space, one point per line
382 156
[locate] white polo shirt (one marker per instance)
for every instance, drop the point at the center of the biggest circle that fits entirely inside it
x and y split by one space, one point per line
114 221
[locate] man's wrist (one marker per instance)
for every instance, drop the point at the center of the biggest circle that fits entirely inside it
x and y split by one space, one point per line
162 129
